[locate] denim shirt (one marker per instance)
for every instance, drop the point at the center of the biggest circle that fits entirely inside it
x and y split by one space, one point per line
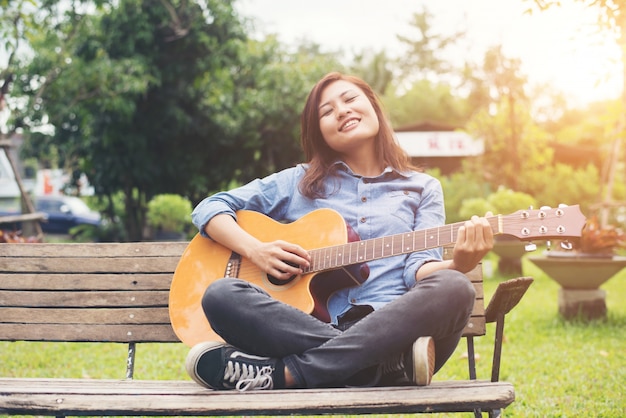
374 207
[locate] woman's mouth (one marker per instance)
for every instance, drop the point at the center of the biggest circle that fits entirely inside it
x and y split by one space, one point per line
348 124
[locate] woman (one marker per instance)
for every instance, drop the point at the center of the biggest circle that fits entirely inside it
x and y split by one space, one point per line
401 325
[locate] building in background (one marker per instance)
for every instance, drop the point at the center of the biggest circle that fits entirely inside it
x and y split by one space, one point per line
436 146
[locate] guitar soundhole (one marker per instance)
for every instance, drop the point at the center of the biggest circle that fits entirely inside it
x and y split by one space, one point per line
279 282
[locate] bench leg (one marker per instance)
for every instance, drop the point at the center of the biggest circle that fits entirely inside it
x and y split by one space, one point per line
471 357
497 349
471 363
130 361
496 413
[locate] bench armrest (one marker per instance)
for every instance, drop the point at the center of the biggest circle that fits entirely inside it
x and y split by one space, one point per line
506 297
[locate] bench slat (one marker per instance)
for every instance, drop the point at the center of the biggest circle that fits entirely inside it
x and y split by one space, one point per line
89 333
78 299
90 264
40 316
167 398
86 281
78 250
98 317
475 327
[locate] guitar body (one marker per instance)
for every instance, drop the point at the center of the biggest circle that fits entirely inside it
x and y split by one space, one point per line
205 261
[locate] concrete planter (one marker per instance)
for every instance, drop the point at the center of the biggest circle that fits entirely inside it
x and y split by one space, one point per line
580 277
510 252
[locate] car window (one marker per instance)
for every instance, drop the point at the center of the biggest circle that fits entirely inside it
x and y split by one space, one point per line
77 206
49 206
54 205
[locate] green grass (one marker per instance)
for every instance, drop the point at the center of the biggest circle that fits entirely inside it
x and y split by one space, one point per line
559 368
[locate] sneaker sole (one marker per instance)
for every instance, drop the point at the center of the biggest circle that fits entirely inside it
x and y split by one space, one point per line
192 359
423 360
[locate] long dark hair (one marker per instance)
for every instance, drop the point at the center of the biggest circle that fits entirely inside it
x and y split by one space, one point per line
320 156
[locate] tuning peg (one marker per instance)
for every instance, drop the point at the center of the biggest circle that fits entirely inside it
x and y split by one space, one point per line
530 247
548 245
566 245
545 208
563 205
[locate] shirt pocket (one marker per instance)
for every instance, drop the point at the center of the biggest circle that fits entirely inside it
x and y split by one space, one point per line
402 205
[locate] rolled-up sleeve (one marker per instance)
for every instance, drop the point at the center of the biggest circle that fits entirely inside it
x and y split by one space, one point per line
270 195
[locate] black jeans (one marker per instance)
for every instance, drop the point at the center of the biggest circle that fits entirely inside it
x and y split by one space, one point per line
320 355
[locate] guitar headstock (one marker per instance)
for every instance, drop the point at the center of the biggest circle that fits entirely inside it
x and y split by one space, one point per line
545 223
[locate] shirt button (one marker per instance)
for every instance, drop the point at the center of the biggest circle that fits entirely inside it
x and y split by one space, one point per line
353 300
364 199
406 192
362 220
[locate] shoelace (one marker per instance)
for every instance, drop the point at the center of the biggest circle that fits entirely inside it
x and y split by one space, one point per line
395 364
249 377
392 365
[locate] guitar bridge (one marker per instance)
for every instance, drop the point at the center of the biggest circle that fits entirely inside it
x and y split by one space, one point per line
233 265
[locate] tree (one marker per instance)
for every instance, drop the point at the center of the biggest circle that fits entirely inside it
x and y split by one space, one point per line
429 102
611 18
14 24
421 89
154 97
512 140
424 57
374 69
133 98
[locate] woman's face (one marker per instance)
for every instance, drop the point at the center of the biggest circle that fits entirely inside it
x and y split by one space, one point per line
347 118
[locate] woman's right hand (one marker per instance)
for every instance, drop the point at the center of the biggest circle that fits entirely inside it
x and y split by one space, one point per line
280 259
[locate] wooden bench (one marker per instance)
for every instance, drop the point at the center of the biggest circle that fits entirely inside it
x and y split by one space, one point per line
118 293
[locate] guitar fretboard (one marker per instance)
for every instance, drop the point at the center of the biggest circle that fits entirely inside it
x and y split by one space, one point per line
357 252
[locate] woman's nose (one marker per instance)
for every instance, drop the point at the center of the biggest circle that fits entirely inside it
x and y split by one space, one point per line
342 111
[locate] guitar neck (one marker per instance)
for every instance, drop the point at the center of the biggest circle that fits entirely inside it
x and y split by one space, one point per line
358 252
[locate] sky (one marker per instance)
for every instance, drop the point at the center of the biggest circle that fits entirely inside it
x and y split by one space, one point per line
559 47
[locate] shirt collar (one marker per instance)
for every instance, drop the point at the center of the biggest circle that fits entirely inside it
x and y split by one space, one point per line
343 166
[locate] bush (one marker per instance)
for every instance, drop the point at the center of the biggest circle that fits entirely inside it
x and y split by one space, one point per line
169 212
504 202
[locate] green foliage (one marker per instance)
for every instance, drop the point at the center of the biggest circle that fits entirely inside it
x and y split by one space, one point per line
169 212
503 201
475 206
459 187
424 56
426 102
147 99
564 184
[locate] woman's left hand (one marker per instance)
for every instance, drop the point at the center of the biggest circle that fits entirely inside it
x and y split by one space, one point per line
474 241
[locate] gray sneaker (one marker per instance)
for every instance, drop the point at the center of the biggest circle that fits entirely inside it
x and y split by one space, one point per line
221 366
415 366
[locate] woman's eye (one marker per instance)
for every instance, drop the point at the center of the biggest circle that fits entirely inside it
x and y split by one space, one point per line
325 112
351 99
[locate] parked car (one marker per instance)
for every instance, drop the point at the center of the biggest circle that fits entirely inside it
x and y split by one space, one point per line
65 212
62 213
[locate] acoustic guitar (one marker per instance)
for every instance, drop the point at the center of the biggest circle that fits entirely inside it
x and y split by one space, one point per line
337 258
